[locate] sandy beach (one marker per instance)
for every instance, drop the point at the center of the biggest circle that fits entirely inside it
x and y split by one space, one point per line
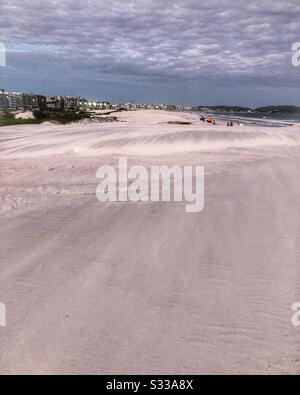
146 288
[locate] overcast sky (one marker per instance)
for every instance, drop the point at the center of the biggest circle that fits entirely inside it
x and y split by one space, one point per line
173 51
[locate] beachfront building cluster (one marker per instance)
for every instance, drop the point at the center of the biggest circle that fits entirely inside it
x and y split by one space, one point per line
147 106
12 101
16 100
85 104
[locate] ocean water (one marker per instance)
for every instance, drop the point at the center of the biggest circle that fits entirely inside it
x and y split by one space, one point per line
259 119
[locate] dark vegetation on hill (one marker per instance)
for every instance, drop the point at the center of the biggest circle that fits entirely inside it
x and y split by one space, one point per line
60 116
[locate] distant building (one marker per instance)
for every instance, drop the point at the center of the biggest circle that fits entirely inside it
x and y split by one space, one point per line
41 102
23 101
71 103
85 104
106 105
81 101
55 102
12 102
4 103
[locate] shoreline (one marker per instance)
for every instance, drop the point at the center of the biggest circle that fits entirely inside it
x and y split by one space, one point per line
222 117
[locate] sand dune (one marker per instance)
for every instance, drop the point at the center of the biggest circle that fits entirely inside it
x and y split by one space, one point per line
146 288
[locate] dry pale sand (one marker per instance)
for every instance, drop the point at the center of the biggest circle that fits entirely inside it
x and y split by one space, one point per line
145 287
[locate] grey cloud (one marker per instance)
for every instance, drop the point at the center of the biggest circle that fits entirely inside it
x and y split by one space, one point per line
215 40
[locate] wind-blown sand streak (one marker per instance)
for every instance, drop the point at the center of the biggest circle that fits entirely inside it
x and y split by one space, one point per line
137 138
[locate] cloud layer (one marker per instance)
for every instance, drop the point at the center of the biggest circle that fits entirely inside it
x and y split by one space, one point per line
224 43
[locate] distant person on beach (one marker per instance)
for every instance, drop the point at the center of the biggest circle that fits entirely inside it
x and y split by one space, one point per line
202 118
211 120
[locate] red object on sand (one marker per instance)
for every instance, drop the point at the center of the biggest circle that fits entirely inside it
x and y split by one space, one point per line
210 120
